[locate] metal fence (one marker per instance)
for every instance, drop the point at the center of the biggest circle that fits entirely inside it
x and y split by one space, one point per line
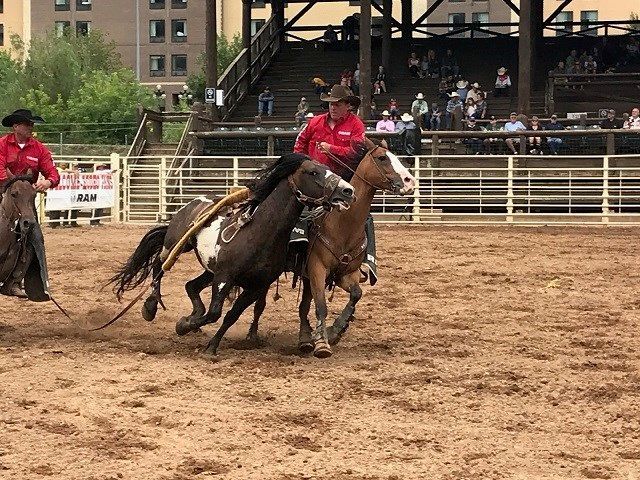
532 190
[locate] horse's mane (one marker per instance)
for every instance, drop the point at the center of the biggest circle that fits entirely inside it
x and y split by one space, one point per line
269 178
20 178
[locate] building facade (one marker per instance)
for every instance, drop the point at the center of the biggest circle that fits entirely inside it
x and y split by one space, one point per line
15 19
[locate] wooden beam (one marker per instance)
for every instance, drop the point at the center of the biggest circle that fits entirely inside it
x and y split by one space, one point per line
386 33
211 53
429 11
380 9
557 11
365 59
513 6
525 57
407 20
300 14
246 23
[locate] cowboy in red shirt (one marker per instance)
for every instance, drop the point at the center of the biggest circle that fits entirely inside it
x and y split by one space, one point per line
333 131
20 152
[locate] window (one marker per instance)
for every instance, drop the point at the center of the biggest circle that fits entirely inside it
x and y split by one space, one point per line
258 4
178 31
83 5
156 31
156 65
62 28
563 17
588 18
156 4
62 5
83 28
1 6
178 65
478 18
178 3
256 25
456 20
1 35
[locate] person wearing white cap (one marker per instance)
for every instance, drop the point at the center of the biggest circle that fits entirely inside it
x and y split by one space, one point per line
303 108
420 111
385 125
503 83
407 130
462 89
454 104
474 92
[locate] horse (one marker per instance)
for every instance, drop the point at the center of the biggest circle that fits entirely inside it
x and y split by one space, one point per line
338 247
247 248
17 219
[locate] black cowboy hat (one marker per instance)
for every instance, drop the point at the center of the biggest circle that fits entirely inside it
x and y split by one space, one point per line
340 92
21 116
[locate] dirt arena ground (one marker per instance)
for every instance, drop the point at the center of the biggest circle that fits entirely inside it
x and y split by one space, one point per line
483 353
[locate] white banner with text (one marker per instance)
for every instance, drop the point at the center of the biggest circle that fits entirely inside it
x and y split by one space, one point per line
78 191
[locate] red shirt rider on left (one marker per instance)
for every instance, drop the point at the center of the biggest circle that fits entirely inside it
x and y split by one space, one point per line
20 152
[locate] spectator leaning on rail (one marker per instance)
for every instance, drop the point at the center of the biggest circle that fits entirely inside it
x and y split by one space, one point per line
489 143
385 125
420 111
611 122
554 142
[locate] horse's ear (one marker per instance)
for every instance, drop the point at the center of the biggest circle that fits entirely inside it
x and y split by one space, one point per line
383 144
368 143
9 174
29 173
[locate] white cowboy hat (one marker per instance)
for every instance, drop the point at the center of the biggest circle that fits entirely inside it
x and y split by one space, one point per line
420 96
462 84
385 113
475 85
406 117
309 115
502 71
454 94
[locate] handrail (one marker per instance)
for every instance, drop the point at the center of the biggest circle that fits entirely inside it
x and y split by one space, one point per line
139 140
183 141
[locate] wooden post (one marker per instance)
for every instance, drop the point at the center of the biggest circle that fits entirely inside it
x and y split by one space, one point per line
116 179
246 37
524 58
211 52
386 33
365 59
537 39
407 20
611 144
277 8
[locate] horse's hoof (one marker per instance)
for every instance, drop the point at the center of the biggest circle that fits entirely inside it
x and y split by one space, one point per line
322 350
208 355
305 347
334 336
183 326
149 311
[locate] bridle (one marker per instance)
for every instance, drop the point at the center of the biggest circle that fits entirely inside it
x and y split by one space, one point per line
324 201
390 188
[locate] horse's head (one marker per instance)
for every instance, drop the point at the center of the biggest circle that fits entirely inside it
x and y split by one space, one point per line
383 170
316 185
18 201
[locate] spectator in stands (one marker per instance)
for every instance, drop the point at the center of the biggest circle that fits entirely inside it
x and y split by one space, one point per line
572 58
420 111
320 86
413 64
356 80
474 144
574 68
445 89
513 125
433 66
503 83
481 107
303 108
474 92
386 125
469 109
380 82
462 89
491 144
265 102
611 122
590 65
374 109
330 38
633 122
346 78
349 27
535 143
436 116
453 104
394 110
560 69
408 132
424 67
449 65
554 142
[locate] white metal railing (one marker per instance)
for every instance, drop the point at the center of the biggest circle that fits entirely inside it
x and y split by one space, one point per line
451 189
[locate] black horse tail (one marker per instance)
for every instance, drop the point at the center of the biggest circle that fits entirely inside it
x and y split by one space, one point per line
140 264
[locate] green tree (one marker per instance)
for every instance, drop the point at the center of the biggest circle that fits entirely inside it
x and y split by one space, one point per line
634 18
227 52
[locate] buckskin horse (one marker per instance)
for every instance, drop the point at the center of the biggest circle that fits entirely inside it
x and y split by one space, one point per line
246 248
338 247
17 252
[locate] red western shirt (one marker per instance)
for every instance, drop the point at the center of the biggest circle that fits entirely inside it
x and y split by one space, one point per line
34 156
339 138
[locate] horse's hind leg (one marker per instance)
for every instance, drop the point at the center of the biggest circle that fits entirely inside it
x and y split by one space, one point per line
305 337
218 295
350 284
193 289
258 309
246 298
150 305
